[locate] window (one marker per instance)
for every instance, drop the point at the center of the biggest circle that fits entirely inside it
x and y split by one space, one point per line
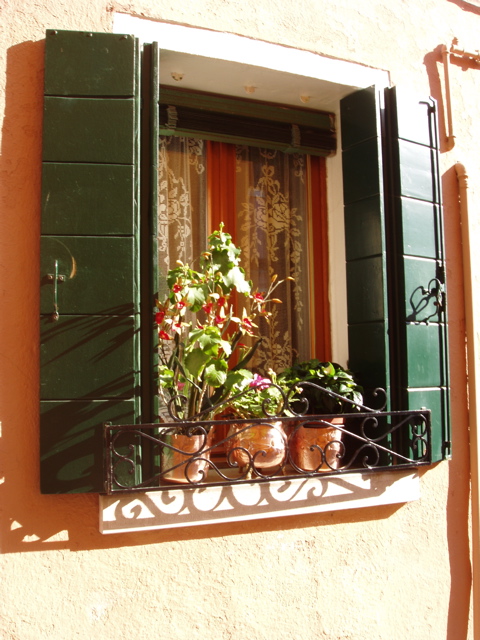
97 286
264 197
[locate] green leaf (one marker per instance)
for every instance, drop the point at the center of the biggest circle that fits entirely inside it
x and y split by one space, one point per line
173 276
165 376
221 261
328 370
237 377
227 347
196 297
195 361
209 339
235 278
216 373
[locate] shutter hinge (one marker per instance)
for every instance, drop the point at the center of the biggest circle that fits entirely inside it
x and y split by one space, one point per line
447 448
441 272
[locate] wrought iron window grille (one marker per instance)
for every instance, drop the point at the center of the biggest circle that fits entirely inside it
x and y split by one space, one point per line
277 446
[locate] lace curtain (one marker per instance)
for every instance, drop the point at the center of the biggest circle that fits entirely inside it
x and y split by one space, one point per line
271 227
182 201
272 230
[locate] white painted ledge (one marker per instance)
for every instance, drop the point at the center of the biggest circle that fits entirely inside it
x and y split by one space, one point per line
180 507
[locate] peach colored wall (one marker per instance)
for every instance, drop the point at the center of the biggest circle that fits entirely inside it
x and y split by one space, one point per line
390 572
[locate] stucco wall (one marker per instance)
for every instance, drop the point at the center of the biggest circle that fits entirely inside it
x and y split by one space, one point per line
390 572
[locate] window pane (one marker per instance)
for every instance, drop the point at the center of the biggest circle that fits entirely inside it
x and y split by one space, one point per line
182 208
272 230
270 218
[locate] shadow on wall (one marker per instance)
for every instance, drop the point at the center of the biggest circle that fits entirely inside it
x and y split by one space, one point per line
433 62
468 6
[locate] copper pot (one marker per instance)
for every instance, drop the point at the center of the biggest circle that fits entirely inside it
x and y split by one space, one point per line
317 448
184 459
256 446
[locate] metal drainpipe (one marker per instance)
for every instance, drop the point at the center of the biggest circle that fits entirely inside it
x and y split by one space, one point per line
473 392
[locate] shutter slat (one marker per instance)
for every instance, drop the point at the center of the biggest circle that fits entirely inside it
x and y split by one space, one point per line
87 357
71 443
89 130
74 194
99 274
90 64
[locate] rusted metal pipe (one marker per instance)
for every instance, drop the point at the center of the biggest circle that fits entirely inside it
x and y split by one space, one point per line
473 390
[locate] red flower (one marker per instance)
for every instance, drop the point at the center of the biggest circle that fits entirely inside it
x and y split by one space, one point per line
247 325
259 297
177 288
181 304
207 307
159 316
219 320
221 301
163 335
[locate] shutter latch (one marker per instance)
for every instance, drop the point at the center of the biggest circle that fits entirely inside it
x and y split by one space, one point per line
435 290
55 278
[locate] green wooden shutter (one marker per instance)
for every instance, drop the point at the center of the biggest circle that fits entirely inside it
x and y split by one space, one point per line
419 321
90 253
365 241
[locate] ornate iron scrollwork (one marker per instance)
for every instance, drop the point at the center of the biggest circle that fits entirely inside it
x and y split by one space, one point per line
289 444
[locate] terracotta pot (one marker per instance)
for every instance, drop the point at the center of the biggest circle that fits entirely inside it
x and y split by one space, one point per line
317 448
185 467
258 446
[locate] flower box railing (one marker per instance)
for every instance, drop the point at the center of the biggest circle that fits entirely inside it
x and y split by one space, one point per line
157 457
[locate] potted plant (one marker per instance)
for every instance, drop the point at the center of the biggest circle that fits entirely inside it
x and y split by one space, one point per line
254 446
200 350
320 388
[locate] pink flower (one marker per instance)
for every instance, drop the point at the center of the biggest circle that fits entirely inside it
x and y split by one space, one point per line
259 383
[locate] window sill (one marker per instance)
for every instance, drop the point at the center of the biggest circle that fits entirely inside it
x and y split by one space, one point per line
186 507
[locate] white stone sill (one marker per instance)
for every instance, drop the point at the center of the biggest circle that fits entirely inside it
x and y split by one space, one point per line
186 507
